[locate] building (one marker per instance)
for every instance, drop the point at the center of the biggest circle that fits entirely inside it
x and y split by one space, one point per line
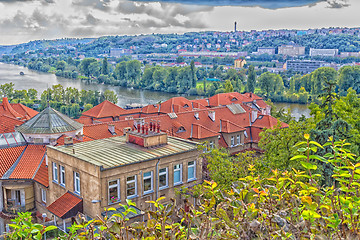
265 50
142 166
239 63
323 52
119 52
291 50
350 54
303 66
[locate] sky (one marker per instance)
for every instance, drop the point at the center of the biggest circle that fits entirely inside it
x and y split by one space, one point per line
26 20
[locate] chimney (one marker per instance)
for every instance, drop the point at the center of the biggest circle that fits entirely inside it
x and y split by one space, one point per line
196 115
80 137
254 115
111 128
68 141
138 122
212 115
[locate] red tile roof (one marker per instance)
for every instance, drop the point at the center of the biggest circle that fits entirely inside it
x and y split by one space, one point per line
65 205
42 175
99 131
267 121
201 132
29 163
16 110
105 109
60 140
7 124
230 127
8 157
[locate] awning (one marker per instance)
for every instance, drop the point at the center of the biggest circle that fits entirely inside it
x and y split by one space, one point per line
66 206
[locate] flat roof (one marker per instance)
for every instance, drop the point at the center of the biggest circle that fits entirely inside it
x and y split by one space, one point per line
113 152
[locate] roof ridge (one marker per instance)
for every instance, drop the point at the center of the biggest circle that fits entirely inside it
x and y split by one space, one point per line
12 168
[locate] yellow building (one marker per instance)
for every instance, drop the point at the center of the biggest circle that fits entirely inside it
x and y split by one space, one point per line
239 63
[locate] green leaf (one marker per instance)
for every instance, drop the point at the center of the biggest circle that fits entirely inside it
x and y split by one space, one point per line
298 157
316 144
308 165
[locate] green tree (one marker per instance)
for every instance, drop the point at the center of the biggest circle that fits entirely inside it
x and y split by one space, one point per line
133 70
110 96
251 81
84 66
105 66
32 93
228 86
61 65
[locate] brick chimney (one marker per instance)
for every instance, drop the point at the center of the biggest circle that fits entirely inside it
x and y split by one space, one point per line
147 138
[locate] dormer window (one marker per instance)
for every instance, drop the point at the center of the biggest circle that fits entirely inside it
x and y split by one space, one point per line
181 129
186 106
234 99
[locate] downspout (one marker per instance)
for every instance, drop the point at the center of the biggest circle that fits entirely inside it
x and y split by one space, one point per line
157 180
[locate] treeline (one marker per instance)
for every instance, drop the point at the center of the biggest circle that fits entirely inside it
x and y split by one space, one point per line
69 101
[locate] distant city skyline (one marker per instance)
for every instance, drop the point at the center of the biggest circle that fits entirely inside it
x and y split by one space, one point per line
26 20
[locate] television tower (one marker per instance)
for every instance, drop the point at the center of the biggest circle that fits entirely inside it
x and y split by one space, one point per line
235 27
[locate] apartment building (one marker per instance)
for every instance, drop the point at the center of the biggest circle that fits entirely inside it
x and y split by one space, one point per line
291 50
303 66
323 52
143 165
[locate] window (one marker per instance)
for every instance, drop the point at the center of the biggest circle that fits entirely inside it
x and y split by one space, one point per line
62 175
114 191
131 186
212 144
232 141
191 171
177 174
77 182
163 178
148 182
43 195
55 172
237 139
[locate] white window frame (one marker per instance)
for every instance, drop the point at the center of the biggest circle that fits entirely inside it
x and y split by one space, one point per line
131 181
194 170
232 141
117 185
43 195
238 139
55 173
62 177
178 170
166 178
152 182
76 178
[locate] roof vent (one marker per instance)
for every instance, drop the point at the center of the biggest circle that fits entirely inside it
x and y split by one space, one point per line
196 115
111 128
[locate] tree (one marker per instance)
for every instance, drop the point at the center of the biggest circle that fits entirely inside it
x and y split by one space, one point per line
251 81
228 86
193 78
94 69
7 90
180 59
349 77
32 93
318 79
267 83
120 71
133 70
61 65
110 96
105 67
84 66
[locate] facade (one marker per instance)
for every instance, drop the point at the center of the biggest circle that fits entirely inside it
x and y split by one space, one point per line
265 50
350 54
303 66
142 166
239 63
291 50
323 52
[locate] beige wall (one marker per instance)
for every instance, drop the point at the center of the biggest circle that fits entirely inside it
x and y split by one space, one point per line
236 148
94 183
89 180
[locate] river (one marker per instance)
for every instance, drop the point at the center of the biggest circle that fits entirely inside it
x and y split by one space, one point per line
41 81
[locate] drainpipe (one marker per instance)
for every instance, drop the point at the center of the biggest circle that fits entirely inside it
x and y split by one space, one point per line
157 180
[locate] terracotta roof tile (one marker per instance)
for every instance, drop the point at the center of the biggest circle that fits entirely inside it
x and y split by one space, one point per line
99 131
267 121
42 175
201 132
105 109
29 162
65 204
7 124
16 110
8 157
230 127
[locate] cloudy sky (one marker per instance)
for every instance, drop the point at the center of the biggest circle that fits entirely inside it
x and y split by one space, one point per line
25 20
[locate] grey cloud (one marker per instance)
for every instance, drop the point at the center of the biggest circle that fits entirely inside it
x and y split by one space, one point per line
338 3
90 19
98 4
